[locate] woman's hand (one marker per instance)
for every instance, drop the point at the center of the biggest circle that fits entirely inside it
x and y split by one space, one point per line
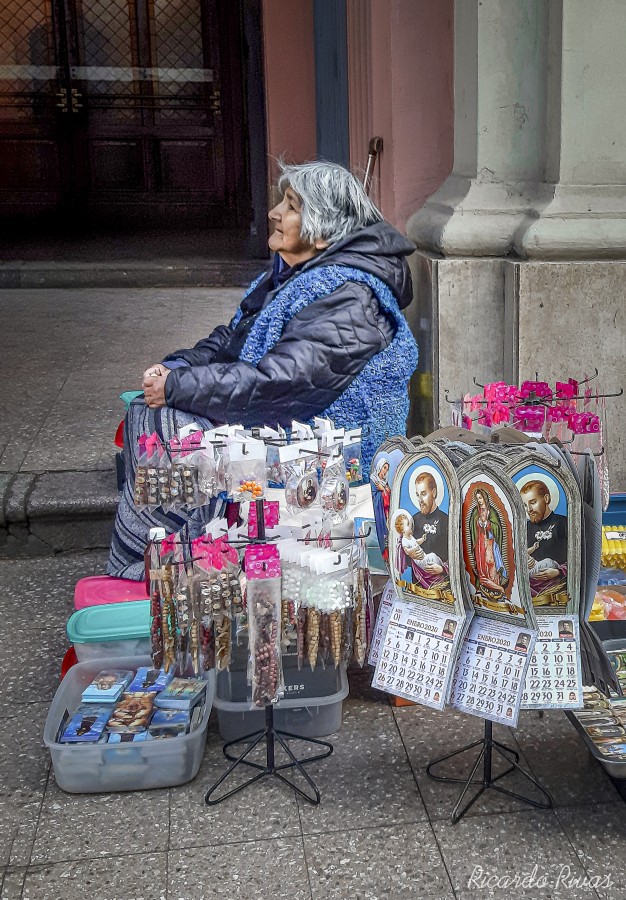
153 385
155 369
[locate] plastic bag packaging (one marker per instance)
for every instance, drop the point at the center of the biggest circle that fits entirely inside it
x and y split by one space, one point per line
149 490
290 601
335 490
191 452
313 620
247 470
216 593
206 631
161 461
183 602
352 457
169 625
153 565
359 581
299 465
207 471
140 490
263 571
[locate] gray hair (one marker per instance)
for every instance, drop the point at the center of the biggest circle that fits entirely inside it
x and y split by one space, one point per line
334 202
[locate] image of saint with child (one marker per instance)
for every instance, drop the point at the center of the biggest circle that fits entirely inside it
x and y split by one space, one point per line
421 538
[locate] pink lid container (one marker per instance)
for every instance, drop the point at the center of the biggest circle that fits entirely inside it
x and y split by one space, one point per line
101 589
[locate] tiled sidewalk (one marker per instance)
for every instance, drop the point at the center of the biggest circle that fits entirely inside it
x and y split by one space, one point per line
382 830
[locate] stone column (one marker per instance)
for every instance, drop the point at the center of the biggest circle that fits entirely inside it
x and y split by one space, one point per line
520 262
586 151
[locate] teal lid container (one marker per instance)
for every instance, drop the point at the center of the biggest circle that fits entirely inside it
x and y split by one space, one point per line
110 622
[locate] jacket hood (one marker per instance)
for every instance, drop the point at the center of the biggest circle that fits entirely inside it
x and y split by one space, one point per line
380 250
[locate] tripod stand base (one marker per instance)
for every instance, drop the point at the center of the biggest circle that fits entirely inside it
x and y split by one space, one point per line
270 736
488 781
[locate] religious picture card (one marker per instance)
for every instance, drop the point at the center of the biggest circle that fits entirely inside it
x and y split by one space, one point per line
552 508
416 657
495 557
490 672
424 546
383 468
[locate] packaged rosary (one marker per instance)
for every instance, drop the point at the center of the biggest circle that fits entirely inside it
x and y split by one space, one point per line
263 573
299 464
335 490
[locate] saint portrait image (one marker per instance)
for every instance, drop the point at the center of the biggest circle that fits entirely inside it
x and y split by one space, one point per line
306 491
381 477
546 514
419 534
488 549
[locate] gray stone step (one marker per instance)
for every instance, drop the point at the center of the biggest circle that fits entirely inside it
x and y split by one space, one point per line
53 512
193 272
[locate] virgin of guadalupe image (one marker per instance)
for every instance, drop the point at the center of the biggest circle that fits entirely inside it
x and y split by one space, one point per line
487 538
381 497
486 534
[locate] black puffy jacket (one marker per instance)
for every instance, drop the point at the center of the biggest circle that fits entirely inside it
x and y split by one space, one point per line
319 353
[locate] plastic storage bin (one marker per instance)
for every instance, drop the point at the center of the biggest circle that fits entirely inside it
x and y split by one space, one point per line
102 589
99 632
312 706
96 768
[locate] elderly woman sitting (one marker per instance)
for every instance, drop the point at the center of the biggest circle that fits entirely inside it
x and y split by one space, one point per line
321 333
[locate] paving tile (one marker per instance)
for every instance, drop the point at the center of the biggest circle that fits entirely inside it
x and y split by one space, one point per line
560 760
395 862
13 883
263 810
142 877
36 662
530 845
598 836
429 734
85 826
367 781
24 767
255 870
24 761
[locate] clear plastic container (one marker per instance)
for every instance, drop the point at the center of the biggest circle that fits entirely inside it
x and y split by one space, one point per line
97 768
312 706
101 632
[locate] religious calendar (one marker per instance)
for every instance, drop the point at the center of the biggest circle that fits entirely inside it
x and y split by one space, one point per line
416 657
382 619
554 678
491 669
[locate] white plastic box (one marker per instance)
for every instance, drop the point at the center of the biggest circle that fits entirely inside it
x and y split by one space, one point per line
96 768
111 630
312 706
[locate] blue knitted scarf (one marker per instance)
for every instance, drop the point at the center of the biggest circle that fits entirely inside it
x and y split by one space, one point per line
377 399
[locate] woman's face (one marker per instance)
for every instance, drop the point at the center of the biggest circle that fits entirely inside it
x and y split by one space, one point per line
286 239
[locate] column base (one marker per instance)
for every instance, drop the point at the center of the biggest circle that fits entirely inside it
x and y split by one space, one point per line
501 318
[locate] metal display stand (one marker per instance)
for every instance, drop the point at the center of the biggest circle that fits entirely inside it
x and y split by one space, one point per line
488 782
271 736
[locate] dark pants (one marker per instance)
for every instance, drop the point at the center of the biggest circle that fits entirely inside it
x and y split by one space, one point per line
130 533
